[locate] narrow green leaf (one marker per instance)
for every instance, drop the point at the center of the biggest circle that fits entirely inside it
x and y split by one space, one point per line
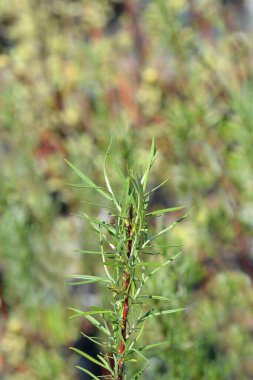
163 246
80 313
185 215
108 185
88 357
94 225
164 211
81 186
145 316
139 373
93 220
88 252
152 156
88 372
130 344
150 346
103 360
88 278
151 253
139 191
98 325
97 205
88 181
120 172
163 312
160 185
153 297
80 283
113 264
147 264
164 264
98 309
167 229
93 339
103 258
144 280
139 333
138 352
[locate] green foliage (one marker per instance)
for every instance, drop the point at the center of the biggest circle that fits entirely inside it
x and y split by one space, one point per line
74 73
127 272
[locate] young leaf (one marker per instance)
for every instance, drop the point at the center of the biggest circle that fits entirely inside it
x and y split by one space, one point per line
153 297
98 205
144 280
164 211
160 185
80 313
152 156
81 186
151 314
150 346
87 279
120 172
167 228
148 264
139 373
108 185
88 372
93 339
88 252
151 253
98 325
88 357
88 181
105 363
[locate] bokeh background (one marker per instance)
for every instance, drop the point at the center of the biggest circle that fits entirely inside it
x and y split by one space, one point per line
73 74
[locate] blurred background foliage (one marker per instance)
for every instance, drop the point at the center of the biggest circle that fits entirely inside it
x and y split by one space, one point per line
73 74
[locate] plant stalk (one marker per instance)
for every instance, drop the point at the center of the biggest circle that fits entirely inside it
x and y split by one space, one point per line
126 301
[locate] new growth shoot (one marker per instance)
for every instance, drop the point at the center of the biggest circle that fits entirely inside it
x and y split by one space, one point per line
125 244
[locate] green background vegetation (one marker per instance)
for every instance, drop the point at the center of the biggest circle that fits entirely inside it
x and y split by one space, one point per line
72 75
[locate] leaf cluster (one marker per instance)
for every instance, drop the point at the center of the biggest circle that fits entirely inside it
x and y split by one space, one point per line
125 243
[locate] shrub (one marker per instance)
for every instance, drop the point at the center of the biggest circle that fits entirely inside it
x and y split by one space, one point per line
125 246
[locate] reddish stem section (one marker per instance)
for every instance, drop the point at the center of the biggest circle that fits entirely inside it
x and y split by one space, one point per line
126 301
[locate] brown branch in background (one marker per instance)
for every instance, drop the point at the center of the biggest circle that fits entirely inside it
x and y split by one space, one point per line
127 288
